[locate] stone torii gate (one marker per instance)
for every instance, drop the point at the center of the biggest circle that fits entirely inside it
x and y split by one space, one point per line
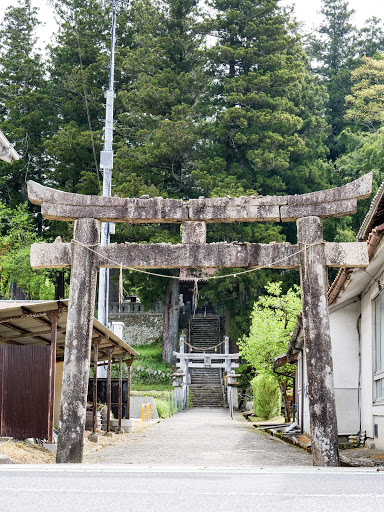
311 255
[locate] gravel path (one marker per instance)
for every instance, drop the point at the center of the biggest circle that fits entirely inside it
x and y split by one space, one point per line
201 437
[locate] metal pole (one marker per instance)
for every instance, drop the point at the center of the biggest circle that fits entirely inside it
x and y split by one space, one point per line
106 166
53 317
128 414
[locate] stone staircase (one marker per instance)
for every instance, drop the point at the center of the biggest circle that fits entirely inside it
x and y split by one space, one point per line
206 386
204 332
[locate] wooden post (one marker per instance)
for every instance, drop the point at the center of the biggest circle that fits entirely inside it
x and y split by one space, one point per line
53 317
78 342
109 388
129 363
95 361
322 406
120 358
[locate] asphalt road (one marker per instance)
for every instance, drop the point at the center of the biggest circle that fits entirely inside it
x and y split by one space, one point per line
90 488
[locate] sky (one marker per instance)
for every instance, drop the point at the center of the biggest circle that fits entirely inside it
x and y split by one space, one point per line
307 11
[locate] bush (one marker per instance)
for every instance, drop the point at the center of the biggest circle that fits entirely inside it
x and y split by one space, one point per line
162 407
266 396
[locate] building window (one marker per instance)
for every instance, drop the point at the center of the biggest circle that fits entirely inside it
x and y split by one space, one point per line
379 349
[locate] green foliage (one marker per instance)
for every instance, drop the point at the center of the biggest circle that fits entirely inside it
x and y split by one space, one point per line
17 235
163 81
332 51
162 407
25 105
365 104
146 388
79 69
273 319
262 114
371 37
266 395
150 368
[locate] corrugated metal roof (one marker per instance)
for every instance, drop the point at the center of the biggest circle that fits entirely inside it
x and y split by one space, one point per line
374 216
27 323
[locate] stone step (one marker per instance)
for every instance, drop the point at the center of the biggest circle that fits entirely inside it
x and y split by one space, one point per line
203 382
206 382
206 391
207 404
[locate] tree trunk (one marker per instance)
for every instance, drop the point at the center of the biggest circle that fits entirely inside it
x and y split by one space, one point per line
59 285
287 412
171 319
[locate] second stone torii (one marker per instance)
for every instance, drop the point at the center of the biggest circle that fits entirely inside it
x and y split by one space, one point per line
311 255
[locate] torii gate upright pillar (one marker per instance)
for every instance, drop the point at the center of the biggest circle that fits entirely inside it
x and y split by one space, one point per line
78 342
322 404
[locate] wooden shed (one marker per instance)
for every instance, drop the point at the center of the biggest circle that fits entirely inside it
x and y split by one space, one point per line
32 341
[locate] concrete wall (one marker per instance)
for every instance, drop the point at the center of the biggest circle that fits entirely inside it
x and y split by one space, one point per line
58 386
139 329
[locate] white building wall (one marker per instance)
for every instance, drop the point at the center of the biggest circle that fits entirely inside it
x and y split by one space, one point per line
367 329
345 353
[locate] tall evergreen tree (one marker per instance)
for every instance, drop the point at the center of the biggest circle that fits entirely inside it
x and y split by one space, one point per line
371 38
265 131
25 106
164 78
365 104
333 51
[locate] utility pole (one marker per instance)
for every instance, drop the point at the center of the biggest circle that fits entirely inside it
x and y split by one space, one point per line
106 166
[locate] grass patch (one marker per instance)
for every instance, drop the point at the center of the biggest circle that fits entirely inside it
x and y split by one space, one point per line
137 386
150 369
156 393
151 356
151 376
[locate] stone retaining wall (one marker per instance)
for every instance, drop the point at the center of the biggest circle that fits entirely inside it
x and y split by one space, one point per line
139 328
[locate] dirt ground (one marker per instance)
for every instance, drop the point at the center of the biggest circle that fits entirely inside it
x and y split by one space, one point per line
25 452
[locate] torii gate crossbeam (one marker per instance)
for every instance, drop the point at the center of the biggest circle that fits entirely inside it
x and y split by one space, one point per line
311 255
